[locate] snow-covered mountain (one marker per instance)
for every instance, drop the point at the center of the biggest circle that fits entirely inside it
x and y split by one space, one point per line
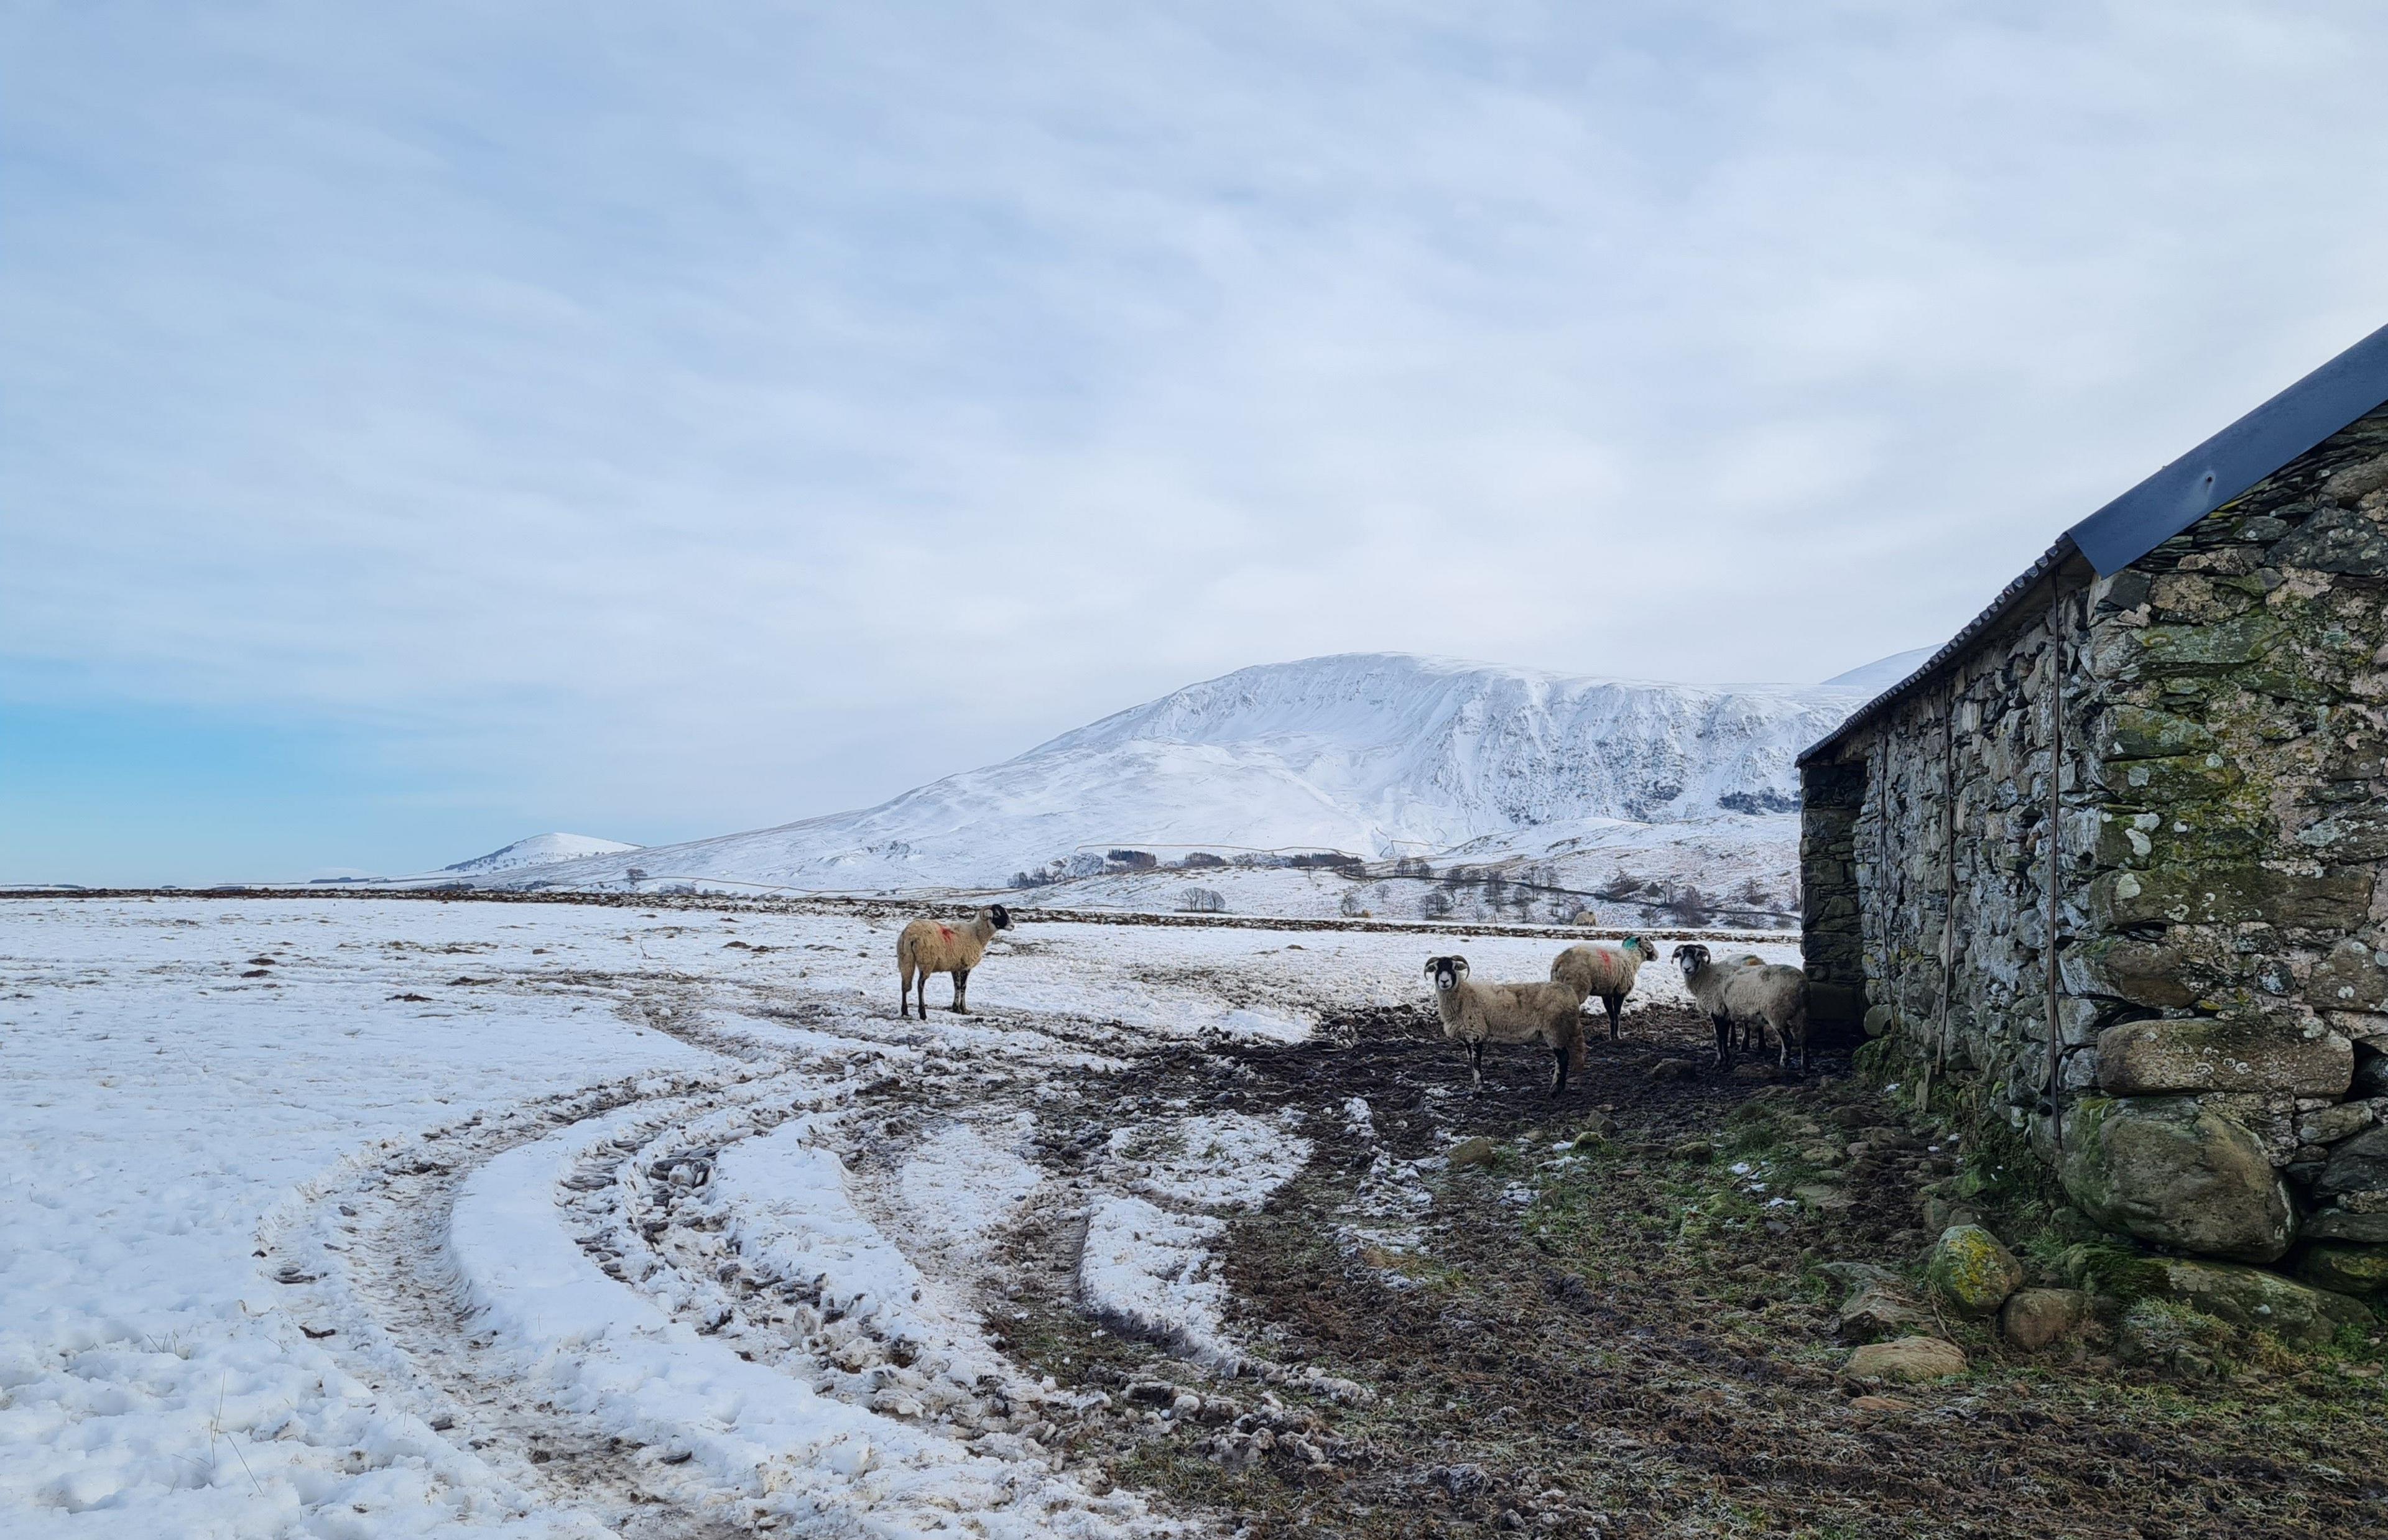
1380 755
539 849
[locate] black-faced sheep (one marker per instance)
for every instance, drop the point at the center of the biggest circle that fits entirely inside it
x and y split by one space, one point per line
1747 993
1706 979
932 946
1474 1015
1603 971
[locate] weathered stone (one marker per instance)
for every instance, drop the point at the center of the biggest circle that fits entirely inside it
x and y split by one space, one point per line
1909 1360
2252 1299
2139 732
2166 650
1879 1405
2034 1318
2335 540
2347 1267
1476 1151
2357 834
2358 1165
1942 1211
2340 1224
2334 1123
2225 893
2338 898
2178 778
2350 979
1972 1272
1878 1304
2182 1343
2170 1172
2277 1052
2146 973
2351 484
1878 1019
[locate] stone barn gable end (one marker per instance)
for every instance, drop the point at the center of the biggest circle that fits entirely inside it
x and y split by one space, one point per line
2116 851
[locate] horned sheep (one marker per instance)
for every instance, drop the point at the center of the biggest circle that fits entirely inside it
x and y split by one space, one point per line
1474 1015
932 946
1745 993
1603 971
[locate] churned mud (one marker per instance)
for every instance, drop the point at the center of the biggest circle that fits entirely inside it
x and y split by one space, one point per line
1627 1334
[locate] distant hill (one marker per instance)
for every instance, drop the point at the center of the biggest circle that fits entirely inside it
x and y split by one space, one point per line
1379 755
539 849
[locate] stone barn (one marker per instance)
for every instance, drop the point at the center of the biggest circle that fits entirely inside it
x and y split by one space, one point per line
2108 869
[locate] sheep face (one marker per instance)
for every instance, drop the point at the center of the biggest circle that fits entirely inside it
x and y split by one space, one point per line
1447 972
1691 957
1642 945
1000 918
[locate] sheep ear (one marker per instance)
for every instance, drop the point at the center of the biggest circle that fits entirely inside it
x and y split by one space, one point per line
1459 963
1430 964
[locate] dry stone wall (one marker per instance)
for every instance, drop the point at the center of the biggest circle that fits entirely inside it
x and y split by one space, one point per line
2221 924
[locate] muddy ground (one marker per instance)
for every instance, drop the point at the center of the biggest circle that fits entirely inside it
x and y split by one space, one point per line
1622 1337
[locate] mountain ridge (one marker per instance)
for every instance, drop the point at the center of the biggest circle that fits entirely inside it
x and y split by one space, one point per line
1376 754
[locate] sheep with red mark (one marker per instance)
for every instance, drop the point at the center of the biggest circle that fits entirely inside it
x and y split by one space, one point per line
932 946
1603 971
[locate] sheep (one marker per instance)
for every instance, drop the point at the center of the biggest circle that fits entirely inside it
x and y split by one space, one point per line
931 946
1605 971
1750 993
1706 979
1775 993
1474 1015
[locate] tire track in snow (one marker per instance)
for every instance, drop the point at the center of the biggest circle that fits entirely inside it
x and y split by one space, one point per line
402 1307
419 1314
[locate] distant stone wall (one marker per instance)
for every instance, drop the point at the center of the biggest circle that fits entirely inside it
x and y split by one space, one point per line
2221 926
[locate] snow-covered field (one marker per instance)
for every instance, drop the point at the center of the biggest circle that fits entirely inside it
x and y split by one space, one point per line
352 1217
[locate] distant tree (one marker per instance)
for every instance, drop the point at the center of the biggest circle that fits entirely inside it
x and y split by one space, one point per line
1690 906
1201 901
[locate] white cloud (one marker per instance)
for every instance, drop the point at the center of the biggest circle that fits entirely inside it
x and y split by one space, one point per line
758 410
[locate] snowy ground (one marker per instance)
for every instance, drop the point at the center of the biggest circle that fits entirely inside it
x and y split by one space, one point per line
348 1216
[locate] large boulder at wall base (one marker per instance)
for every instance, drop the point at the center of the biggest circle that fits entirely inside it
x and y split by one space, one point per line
2252 1299
2032 1318
1972 1272
2284 1053
2172 1173
2343 1266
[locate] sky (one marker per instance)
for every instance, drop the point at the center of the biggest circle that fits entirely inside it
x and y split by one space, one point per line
428 425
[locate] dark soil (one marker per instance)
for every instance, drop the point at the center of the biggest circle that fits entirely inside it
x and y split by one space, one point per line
1625 1339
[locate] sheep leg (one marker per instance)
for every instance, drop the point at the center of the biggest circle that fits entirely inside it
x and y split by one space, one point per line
1616 1003
961 993
1723 1027
1476 1065
1558 1076
904 991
